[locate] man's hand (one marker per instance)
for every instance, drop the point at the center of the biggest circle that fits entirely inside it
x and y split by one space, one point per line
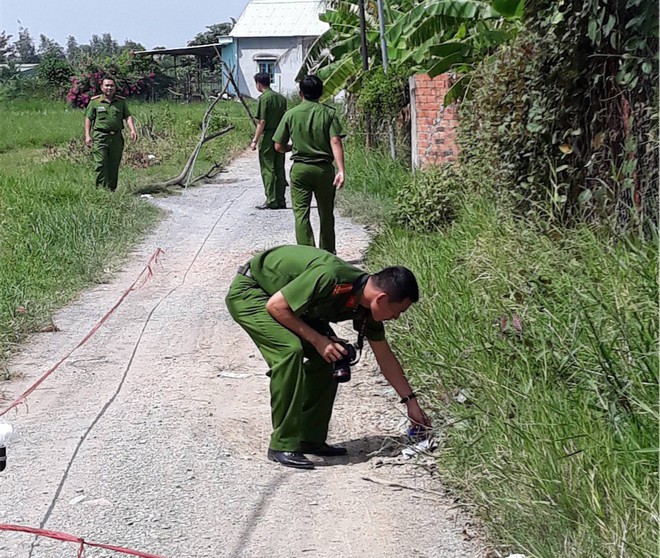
88 141
253 145
416 415
339 181
330 350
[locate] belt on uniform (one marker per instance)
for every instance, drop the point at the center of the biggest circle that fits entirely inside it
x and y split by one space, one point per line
244 270
109 133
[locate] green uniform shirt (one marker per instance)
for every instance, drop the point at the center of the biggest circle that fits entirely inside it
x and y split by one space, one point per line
107 116
310 125
316 284
271 108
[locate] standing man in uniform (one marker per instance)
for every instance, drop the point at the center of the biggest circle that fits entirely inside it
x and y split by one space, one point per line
284 298
270 110
104 121
315 133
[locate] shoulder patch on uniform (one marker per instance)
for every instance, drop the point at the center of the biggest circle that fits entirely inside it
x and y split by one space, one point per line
95 97
342 289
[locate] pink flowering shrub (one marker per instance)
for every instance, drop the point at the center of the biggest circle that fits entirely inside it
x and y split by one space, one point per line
134 76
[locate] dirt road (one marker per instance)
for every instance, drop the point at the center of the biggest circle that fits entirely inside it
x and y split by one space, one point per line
153 435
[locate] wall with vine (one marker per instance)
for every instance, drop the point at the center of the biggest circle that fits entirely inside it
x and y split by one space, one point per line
565 118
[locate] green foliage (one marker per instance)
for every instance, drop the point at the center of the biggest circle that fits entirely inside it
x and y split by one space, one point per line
54 72
24 47
6 48
539 361
14 85
383 94
422 36
429 201
565 120
213 32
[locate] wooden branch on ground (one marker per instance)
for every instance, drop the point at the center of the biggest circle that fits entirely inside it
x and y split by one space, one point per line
187 169
184 177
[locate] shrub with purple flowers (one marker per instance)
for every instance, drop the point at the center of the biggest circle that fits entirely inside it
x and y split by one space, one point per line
135 77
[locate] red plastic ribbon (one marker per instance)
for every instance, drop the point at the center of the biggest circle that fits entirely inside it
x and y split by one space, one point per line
66 537
147 273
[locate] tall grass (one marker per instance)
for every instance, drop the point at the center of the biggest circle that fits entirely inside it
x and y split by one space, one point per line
372 181
537 354
58 233
37 123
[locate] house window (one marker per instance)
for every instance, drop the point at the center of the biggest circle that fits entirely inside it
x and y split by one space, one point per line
268 67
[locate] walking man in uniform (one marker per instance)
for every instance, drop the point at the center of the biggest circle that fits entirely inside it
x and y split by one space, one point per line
315 133
284 298
104 121
270 110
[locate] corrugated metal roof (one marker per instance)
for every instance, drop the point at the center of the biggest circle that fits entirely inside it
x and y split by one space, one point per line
281 18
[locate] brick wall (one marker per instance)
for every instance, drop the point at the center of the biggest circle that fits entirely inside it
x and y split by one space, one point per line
433 127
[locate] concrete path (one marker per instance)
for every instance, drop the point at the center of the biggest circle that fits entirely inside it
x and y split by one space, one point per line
153 435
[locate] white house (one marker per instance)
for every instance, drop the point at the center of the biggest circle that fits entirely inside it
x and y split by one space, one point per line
274 36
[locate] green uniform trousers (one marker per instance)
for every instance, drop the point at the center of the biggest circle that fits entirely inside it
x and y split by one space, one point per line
271 163
301 395
307 180
107 150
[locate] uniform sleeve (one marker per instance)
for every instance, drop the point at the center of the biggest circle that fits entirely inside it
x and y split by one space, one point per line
336 129
283 133
89 111
310 286
261 110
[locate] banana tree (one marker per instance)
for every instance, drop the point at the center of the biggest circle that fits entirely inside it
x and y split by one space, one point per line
431 36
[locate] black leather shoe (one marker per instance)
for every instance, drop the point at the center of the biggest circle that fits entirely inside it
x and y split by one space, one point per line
322 449
293 459
262 206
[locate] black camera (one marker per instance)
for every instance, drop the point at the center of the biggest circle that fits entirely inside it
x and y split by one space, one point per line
341 369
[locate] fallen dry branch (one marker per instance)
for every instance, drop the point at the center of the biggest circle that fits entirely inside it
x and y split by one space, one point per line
184 178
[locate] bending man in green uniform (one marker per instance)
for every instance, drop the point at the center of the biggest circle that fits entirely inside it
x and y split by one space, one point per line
315 133
285 298
104 121
270 110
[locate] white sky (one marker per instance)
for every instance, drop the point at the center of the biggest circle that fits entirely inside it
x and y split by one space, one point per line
168 23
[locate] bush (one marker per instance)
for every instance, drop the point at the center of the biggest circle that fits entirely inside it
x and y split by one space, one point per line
54 73
15 86
566 117
134 76
428 202
384 94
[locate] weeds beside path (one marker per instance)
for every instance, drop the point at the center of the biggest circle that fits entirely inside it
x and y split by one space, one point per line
537 353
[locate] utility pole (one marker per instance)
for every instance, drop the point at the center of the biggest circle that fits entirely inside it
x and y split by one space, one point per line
383 48
365 63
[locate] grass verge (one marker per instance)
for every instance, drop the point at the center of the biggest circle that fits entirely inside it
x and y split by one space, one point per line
537 354
58 233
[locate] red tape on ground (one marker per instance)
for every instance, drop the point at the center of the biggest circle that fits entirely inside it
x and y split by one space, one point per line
78 540
145 275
